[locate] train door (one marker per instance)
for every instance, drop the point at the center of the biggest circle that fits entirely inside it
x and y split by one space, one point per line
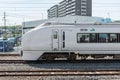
63 40
66 39
55 39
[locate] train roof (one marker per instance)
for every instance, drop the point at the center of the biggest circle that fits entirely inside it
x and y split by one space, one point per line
82 25
113 26
71 25
97 23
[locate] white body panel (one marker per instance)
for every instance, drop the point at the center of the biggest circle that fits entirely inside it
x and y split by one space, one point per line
37 40
40 40
31 55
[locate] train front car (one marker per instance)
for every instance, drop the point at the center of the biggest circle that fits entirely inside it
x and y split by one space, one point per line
72 41
35 42
47 42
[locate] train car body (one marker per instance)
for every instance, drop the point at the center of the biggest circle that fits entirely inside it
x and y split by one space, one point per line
59 41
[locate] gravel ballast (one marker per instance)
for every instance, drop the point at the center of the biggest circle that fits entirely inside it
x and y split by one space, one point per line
61 78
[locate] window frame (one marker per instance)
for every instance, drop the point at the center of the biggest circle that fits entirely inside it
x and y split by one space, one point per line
97 38
79 41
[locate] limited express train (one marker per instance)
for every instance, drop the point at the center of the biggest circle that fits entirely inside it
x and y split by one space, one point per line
52 41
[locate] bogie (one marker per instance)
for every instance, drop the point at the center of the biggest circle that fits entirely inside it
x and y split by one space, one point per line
55 55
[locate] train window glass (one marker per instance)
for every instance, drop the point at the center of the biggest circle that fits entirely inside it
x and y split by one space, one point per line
55 35
119 38
83 38
93 38
103 38
113 38
63 39
98 37
63 36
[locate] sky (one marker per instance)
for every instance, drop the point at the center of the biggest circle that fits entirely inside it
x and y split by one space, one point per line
18 11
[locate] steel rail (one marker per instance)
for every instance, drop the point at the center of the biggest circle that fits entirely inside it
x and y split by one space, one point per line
9 54
58 61
60 73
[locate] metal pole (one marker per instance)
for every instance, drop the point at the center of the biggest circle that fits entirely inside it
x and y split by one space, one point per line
4 18
4 21
23 26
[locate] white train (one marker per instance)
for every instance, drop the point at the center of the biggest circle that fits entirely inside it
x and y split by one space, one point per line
51 41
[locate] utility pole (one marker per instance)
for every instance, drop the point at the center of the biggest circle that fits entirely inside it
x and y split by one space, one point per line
4 19
5 35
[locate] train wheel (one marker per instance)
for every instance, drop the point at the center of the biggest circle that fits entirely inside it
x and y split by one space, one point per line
50 59
83 57
116 56
72 57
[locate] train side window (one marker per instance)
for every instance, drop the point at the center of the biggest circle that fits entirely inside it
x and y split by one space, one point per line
63 36
83 38
119 38
113 38
93 38
55 35
103 38
63 39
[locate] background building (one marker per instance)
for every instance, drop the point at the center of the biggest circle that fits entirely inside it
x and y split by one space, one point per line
71 7
53 11
62 9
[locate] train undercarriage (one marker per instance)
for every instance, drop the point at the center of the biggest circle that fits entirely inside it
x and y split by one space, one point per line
52 56
49 56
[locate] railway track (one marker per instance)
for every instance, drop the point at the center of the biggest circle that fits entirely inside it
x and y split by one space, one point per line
60 73
9 54
59 61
